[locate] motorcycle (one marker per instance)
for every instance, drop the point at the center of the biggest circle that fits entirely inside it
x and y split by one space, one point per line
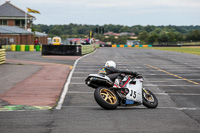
128 92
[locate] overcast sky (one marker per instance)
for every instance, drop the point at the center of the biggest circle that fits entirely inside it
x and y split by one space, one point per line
123 12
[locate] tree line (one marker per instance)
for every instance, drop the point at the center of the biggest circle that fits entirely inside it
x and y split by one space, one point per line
146 34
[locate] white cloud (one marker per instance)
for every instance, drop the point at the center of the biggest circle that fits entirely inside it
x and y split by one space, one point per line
115 3
113 11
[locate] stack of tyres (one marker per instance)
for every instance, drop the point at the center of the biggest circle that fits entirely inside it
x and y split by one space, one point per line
13 47
17 47
27 48
7 47
37 47
31 47
22 47
2 56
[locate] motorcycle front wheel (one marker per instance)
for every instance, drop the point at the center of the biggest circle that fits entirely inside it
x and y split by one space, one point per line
106 98
149 99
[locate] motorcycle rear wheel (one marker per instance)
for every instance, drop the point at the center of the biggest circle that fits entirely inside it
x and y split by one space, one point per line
149 100
106 98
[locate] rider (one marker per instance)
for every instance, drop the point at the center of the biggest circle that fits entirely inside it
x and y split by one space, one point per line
115 74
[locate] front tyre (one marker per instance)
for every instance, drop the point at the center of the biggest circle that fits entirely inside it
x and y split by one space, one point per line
149 99
106 98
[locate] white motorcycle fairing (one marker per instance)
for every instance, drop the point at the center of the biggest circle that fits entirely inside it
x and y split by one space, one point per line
135 90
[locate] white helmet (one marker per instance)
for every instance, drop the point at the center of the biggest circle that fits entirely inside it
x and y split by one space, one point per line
110 63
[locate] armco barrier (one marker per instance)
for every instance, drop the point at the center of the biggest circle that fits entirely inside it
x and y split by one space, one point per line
2 56
61 50
87 49
97 45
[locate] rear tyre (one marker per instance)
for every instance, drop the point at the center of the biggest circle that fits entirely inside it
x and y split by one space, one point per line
106 98
149 99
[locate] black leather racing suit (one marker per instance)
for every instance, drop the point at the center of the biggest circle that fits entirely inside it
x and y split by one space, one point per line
114 73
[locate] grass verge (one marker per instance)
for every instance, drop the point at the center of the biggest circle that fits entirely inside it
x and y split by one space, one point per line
190 50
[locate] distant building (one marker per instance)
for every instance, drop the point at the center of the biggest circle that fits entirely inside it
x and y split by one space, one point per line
110 33
16 35
12 26
11 15
127 34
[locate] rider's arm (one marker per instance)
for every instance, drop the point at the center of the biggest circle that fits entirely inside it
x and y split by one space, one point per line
114 70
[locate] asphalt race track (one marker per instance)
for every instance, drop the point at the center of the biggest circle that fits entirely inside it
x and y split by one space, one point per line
173 77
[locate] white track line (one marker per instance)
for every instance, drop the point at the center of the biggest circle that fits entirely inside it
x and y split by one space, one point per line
80 92
166 94
59 106
168 85
138 107
82 83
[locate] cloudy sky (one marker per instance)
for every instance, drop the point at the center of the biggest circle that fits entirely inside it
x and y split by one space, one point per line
123 12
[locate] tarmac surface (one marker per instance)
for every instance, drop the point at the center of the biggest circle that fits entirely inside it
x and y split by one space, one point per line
173 77
25 80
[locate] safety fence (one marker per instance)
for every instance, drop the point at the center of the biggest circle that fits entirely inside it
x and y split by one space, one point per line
121 46
22 47
86 49
2 56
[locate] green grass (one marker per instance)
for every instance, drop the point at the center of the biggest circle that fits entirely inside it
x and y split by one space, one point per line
190 50
192 43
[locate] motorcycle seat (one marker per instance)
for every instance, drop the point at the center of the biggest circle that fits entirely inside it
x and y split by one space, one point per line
113 76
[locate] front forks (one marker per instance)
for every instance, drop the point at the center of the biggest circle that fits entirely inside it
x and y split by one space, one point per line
146 92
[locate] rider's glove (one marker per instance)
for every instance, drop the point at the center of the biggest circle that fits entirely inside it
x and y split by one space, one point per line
135 74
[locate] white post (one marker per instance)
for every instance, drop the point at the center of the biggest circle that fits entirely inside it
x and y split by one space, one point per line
25 20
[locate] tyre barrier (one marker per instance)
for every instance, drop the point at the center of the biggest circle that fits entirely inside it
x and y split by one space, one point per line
7 47
22 47
2 56
31 48
137 46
